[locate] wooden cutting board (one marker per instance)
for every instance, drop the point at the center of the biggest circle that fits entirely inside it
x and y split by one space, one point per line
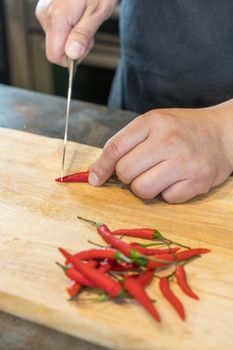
37 215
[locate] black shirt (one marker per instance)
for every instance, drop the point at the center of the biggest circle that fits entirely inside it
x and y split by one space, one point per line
175 53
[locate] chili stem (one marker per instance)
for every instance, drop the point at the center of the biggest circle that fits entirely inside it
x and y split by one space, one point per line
145 245
96 244
91 222
64 268
173 242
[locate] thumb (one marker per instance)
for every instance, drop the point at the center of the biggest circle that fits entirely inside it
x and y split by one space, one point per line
81 36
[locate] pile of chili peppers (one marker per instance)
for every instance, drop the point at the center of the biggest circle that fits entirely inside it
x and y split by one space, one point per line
124 270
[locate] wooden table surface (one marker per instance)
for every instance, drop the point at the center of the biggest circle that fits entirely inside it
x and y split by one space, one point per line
42 114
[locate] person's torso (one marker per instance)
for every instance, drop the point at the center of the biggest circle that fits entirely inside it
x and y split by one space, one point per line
175 53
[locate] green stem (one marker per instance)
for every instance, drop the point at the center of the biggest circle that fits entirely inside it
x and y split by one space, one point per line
96 244
173 242
91 222
145 245
64 268
182 263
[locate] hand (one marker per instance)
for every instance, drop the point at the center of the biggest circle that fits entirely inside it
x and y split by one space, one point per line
70 26
179 153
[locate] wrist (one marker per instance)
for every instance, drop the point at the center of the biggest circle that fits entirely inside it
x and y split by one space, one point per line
223 117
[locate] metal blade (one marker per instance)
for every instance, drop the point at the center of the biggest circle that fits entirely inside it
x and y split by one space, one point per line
71 69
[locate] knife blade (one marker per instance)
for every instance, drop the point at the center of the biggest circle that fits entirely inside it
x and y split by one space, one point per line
71 70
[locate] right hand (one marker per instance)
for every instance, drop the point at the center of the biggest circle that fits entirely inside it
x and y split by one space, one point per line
70 26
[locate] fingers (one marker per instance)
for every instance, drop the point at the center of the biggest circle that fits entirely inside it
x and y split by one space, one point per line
42 10
157 179
119 145
81 36
140 159
70 26
180 192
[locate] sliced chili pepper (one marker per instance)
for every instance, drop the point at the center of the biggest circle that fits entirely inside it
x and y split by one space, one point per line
182 281
146 233
136 289
171 297
101 280
153 251
146 278
77 177
74 289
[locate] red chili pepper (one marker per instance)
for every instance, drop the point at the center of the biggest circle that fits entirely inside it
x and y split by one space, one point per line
182 281
153 251
118 244
101 280
77 177
170 296
146 278
124 248
76 276
180 256
99 254
105 266
74 289
91 263
123 267
187 254
107 235
146 233
136 289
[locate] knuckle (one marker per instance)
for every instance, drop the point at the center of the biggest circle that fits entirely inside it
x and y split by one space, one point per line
204 177
111 149
39 8
98 170
205 173
56 11
141 190
51 56
100 9
172 198
84 34
121 171
155 114
161 121
38 13
173 138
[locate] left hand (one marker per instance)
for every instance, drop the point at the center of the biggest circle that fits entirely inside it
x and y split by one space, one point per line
179 153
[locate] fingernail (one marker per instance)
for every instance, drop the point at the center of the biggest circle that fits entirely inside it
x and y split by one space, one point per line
93 179
75 50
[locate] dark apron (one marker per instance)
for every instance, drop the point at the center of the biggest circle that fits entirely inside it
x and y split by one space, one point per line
175 53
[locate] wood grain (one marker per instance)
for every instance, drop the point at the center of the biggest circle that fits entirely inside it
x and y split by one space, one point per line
37 215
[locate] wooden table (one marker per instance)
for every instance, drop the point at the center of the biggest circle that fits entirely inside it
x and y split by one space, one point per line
43 114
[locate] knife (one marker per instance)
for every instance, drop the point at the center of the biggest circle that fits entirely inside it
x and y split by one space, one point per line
71 70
